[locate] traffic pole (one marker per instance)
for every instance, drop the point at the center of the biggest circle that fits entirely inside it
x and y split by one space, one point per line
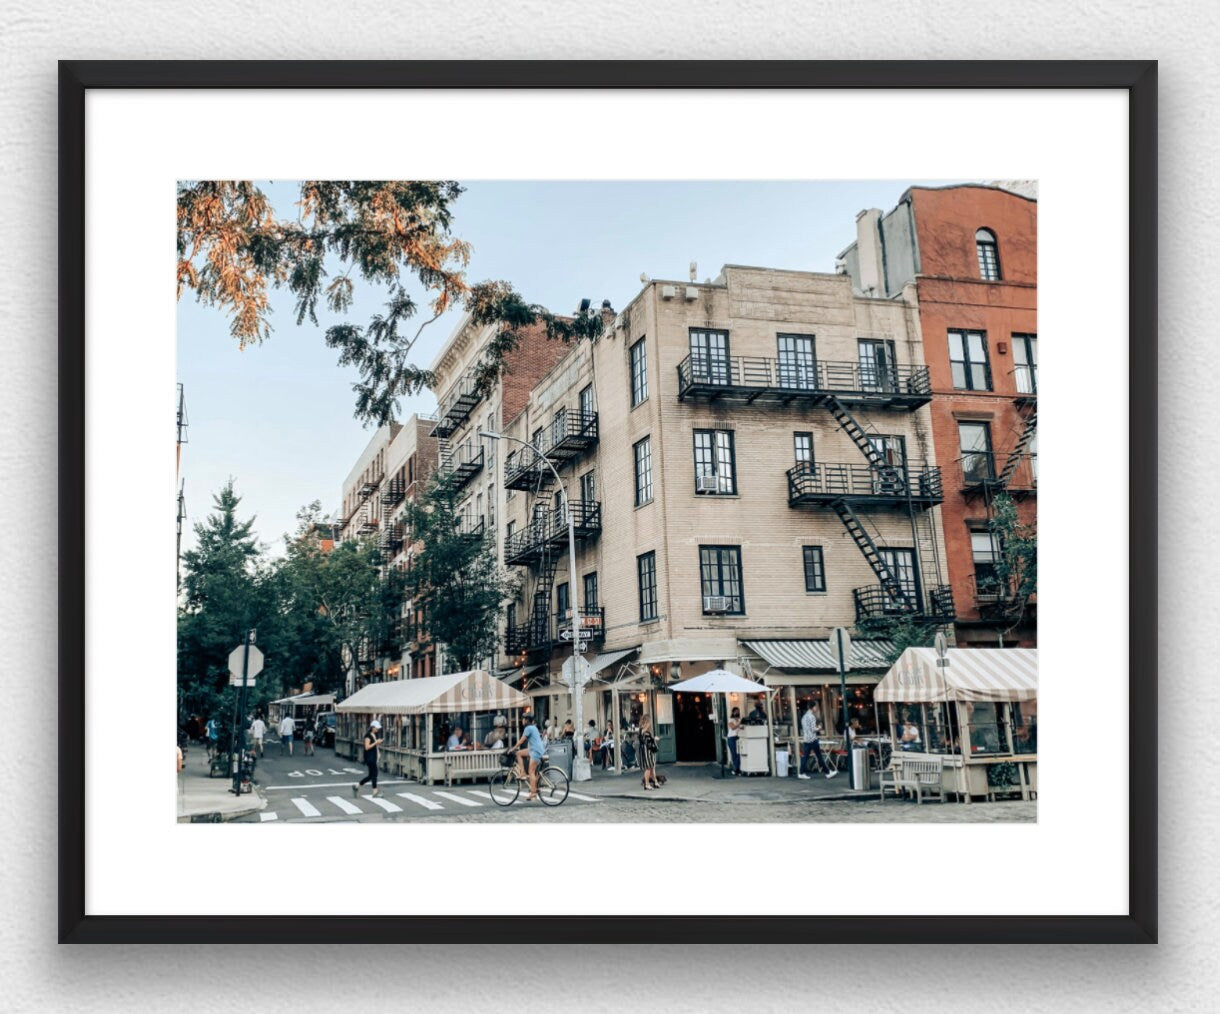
241 713
851 773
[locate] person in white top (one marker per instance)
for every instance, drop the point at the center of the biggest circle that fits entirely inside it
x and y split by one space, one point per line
811 745
287 728
258 729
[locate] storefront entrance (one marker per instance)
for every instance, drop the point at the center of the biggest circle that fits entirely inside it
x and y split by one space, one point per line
694 730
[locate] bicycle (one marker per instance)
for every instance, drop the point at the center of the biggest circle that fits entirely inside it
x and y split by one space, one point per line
506 785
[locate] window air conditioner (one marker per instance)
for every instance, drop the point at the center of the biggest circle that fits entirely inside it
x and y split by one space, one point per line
707 484
668 291
715 603
691 293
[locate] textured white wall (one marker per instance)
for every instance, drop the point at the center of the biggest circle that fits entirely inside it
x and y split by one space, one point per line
1180 975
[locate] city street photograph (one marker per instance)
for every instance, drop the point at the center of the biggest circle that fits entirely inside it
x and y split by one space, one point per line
606 502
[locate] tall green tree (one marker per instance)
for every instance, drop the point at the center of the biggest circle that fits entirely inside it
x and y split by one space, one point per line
343 598
233 249
1016 563
454 576
223 596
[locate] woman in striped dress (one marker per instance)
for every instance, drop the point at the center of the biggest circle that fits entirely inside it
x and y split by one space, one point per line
648 753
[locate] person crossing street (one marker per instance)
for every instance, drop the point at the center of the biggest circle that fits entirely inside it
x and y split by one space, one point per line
372 740
287 729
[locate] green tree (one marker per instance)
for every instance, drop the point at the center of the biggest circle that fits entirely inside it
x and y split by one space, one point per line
901 631
1016 566
232 249
454 577
223 596
341 598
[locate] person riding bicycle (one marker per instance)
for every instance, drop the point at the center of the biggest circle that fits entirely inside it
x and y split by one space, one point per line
530 747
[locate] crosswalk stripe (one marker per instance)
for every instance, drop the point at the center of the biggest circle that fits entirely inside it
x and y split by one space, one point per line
427 804
385 804
484 793
583 799
307 808
345 805
268 816
457 799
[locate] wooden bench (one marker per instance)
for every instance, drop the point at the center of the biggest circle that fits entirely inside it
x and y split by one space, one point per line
472 764
917 774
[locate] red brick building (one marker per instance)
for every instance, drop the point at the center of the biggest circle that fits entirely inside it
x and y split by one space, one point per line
971 251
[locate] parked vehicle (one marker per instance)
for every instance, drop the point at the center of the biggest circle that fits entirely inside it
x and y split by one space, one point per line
324 729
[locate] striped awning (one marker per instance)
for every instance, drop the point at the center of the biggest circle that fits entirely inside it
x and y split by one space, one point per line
476 690
972 674
816 655
514 676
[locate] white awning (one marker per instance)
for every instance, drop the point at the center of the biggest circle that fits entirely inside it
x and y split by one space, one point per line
607 660
476 690
973 674
514 676
817 655
291 700
691 649
313 700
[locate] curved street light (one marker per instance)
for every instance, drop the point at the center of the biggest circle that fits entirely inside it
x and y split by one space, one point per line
581 770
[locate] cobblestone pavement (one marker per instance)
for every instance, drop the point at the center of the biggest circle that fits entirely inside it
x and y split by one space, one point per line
612 811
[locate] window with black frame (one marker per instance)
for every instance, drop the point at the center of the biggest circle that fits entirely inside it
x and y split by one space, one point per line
642 455
715 462
720 574
646 571
1025 727
588 487
590 598
982 732
797 362
974 440
878 371
968 360
988 254
709 356
815 568
985 550
639 372
586 405
1025 362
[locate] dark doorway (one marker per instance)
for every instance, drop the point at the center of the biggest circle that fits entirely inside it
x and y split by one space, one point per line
694 730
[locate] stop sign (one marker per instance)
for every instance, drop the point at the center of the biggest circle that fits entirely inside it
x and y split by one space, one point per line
255 665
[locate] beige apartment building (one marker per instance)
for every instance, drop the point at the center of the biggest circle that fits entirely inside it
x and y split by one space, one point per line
750 465
396 460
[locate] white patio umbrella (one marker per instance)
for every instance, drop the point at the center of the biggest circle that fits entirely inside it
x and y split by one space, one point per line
721 681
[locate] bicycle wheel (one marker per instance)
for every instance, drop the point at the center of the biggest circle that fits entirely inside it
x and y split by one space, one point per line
552 786
504 788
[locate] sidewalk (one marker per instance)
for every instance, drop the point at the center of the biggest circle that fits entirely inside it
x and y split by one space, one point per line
208 800
702 782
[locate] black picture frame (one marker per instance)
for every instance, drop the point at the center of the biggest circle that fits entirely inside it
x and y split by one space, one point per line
1137 78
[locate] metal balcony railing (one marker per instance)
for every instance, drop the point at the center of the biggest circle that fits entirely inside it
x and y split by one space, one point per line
472 527
981 474
394 491
822 483
570 435
875 602
751 378
526 470
551 530
457 405
464 466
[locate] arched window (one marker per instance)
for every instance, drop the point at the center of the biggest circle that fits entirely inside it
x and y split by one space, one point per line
989 258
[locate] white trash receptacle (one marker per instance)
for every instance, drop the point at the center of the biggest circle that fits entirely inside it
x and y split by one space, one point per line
781 763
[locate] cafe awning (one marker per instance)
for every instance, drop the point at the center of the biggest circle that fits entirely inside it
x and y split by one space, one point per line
972 674
607 660
476 690
817 655
514 676
313 700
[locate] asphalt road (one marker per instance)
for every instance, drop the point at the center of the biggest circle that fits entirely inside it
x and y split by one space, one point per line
318 789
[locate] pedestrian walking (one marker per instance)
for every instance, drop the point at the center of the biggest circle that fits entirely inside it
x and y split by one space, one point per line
732 734
810 744
288 728
648 753
309 741
212 732
372 740
258 729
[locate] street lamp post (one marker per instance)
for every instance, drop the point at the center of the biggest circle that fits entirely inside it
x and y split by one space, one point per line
581 769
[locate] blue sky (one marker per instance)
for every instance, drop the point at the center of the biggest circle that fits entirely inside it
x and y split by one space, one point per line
277 417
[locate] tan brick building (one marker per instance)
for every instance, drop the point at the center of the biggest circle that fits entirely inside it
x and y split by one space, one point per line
750 465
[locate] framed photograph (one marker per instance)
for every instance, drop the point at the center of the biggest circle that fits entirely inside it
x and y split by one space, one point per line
607 502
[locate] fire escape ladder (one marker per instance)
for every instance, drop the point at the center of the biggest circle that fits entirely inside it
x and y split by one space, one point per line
1019 449
847 422
540 622
855 528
